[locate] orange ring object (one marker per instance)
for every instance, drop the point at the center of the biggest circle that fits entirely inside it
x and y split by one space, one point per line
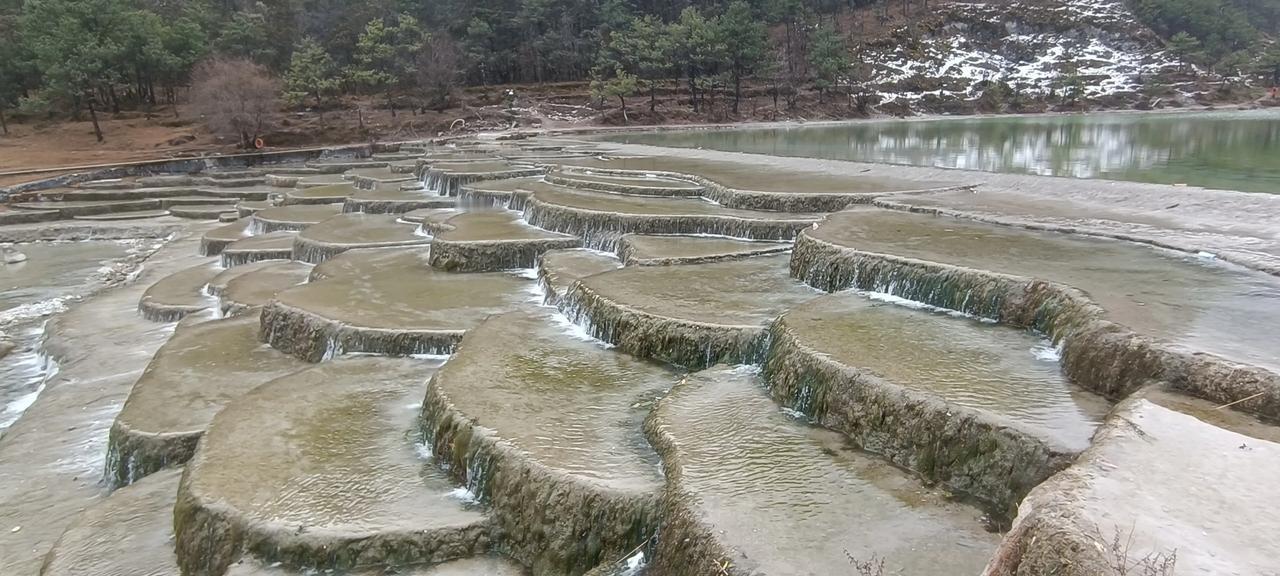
258 143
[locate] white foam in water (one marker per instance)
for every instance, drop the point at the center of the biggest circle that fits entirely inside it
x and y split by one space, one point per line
1046 352
17 407
575 331
634 564
33 310
530 273
464 495
913 304
424 450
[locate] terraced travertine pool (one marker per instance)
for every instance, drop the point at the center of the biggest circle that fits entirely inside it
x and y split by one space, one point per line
539 357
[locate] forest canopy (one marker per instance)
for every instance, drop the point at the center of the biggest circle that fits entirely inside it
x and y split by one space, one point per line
86 56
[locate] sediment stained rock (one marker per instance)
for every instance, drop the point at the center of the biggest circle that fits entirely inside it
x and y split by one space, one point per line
71 209
291 218
489 241
831 198
691 316
633 185
664 250
179 294
317 471
202 211
602 228
248 208
551 442
396 311
327 194
344 232
446 179
395 201
1160 492
1098 354
201 368
269 246
558 270
253 289
991 457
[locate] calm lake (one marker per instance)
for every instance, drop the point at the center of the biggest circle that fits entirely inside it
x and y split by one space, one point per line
1225 150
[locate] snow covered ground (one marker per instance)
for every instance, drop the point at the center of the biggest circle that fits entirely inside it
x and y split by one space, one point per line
1033 47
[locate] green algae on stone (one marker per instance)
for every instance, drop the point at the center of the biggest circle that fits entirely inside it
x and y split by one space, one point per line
344 232
559 269
601 218
191 377
692 315
1098 353
543 426
961 403
318 470
492 240
395 310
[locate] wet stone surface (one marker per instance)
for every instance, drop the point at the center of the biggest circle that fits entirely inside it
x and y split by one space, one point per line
347 231
178 294
197 372
129 533
559 269
1003 371
269 246
257 287
391 310
779 496
319 470
564 399
1160 482
748 292
650 250
1202 305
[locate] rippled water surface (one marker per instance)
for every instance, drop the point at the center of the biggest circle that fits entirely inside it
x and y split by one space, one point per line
1226 150
52 272
794 499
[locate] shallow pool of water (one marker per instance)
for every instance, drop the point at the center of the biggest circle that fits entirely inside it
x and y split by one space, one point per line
795 499
1225 150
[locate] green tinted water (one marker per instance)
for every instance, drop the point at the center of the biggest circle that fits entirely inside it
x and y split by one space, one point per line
1225 150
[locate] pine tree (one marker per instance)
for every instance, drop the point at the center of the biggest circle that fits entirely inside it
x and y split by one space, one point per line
745 42
311 74
828 58
1185 48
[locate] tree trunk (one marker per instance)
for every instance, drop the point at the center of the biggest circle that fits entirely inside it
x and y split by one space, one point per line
93 114
693 93
653 95
4 125
622 99
115 102
737 90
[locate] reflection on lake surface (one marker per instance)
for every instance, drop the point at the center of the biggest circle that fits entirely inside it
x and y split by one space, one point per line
1226 150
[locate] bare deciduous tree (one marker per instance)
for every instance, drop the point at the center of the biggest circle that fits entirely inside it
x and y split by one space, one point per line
235 96
439 66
